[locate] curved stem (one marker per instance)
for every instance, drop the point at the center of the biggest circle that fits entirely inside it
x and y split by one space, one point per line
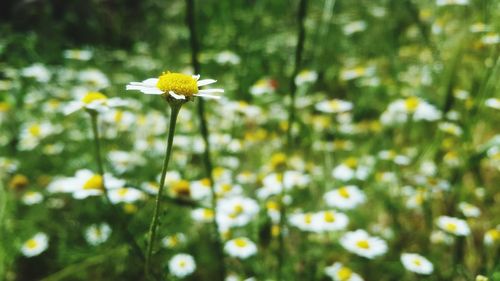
100 169
175 108
191 23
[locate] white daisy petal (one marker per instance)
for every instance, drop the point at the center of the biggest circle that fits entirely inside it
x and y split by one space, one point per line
72 107
151 81
196 77
145 89
205 82
176 96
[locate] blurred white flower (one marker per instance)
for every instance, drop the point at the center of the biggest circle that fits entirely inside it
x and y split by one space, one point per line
83 55
334 106
346 198
181 265
32 198
97 233
340 272
37 71
240 247
35 245
416 263
453 225
362 244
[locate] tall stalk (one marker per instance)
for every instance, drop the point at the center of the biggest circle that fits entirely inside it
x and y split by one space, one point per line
100 170
301 35
195 47
175 108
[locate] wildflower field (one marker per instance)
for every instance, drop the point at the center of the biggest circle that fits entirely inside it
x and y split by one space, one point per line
250 140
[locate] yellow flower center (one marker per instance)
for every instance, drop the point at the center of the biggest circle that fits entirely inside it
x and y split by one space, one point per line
417 262
92 97
411 104
118 116
95 182
4 107
179 83
344 192
308 218
451 227
240 242
35 130
335 105
31 244
344 273
329 217
238 209
363 244
182 264
351 162
272 205
181 188
122 192
208 214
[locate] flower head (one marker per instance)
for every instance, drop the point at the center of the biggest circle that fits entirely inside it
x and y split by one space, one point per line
416 263
362 244
35 245
181 265
176 86
240 247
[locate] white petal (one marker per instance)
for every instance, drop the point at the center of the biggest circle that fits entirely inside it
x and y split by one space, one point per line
151 81
205 82
72 107
176 96
145 89
196 77
208 91
207 96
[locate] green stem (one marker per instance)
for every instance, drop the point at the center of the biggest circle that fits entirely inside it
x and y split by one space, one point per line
282 224
195 47
100 169
301 30
175 108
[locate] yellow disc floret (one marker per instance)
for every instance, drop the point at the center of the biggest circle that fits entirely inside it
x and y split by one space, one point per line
92 97
180 84
94 182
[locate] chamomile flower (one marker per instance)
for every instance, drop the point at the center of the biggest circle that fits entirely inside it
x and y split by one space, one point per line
202 215
453 225
305 222
86 183
181 265
263 86
32 197
416 263
400 110
37 71
346 197
177 86
451 2
492 236
493 103
306 76
82 55
125 195
34 132
94 101
331 220
349 169
362 244
353 27
334 106
35 245
97 233
174 240
240 247
340 272
469 210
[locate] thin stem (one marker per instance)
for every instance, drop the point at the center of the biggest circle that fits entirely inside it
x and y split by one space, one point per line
175 108
100 169
301 15
193 39
282 224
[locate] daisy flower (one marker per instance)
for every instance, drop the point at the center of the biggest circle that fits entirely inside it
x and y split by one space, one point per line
362 244
35 245
240 247
469 210
331 220
306 222
416 263
174 240
32 197
181 265
346 197
97 233
94 101
334 106
453 225
178 86
492 236
340 272
125 195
